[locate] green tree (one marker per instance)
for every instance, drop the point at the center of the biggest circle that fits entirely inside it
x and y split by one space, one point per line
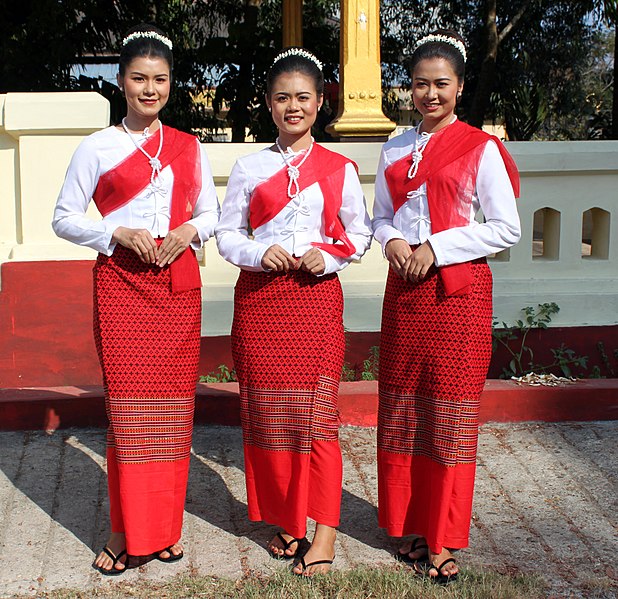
525 57
226 45
608 11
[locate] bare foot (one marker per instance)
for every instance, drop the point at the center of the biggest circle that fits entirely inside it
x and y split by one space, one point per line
416 549
116 545
322 548
436 559
280 549
175 550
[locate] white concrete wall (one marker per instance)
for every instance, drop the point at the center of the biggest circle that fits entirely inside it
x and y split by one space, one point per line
39 132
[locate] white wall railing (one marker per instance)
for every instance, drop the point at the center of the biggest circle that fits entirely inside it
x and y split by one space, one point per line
573 186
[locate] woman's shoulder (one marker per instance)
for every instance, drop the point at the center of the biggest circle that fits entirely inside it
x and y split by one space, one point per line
398 146
101 137
258 160
180 137
403 140
95 144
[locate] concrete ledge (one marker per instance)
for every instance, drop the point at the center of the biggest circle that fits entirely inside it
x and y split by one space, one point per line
51 408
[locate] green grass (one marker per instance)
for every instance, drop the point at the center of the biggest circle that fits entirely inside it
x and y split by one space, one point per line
360 583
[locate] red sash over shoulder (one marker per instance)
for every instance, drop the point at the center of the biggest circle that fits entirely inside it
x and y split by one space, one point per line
323 167
449 168
120 185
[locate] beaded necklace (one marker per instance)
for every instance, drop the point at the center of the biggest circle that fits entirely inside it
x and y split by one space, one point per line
154 161
293 170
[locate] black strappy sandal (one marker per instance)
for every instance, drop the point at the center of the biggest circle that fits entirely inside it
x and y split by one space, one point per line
113 571
441 578
315 563
415 546
172 557
287 545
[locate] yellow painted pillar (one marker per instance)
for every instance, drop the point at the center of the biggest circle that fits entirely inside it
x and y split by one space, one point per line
360 114
292 23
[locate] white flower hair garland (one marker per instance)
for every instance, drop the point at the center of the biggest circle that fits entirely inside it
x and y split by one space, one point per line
150 34
447 39
298 52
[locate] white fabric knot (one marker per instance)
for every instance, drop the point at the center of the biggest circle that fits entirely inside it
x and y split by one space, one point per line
293 172
420 143
415 194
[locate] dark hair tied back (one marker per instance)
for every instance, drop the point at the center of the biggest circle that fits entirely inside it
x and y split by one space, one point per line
442 49
296 60
144 46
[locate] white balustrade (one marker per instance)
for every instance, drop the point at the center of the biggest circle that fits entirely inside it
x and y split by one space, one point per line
570 257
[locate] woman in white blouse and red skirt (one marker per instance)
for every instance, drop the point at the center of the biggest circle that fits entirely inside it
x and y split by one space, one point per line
437 314
293 216
153 186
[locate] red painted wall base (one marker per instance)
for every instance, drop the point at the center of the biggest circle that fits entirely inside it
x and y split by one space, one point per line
46 331
502 401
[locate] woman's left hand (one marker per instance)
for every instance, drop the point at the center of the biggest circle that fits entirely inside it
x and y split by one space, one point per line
418 263
312 261
175 243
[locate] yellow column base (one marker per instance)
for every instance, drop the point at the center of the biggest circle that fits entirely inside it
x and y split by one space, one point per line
362 125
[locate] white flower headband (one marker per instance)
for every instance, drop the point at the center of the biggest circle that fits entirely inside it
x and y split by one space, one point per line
447 39
151 34
298 52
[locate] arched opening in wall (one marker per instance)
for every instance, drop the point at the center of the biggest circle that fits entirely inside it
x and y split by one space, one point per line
546 234
595 234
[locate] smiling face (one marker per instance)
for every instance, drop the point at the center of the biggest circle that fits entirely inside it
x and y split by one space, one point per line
294 103
434 90
146 85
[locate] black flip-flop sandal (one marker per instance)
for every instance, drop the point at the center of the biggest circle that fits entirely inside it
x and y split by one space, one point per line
315 563
441 578
113 571
415 546
287 545
172 557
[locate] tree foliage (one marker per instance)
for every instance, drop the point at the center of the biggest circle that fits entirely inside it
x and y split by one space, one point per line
222 45
526 58
545 66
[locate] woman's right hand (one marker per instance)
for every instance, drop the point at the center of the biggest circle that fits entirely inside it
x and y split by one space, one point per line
138 240
277 259
397 252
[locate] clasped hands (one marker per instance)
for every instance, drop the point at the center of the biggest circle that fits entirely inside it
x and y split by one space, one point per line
149 252
409 264
278 260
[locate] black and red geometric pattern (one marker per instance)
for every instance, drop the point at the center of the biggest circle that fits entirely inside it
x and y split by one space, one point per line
434 355
288 347
148 344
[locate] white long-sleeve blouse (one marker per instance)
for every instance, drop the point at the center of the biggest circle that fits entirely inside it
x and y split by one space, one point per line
150 209
493 195
296 226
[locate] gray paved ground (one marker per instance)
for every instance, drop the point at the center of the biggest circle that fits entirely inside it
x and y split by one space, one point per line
546 502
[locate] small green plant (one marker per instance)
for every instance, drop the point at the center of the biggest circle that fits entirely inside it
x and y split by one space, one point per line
513 338
224 375
371 365
605 359
347 373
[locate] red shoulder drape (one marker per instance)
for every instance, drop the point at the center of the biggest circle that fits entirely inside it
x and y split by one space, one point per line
118 186
449 168
323 167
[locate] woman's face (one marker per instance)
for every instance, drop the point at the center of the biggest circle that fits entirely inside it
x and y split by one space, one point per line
294 103
146 85
434 90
